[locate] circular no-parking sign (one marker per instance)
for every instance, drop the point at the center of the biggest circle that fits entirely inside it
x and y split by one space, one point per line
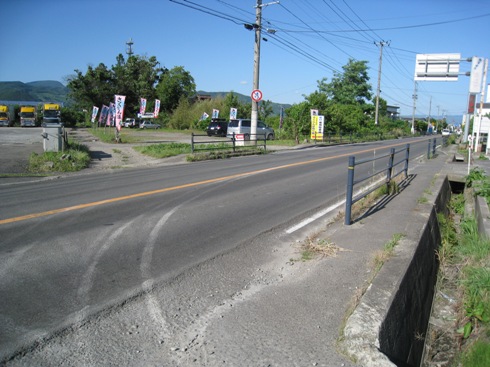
256 95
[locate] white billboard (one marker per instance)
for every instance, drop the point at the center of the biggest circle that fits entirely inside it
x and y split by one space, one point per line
437 67
476 74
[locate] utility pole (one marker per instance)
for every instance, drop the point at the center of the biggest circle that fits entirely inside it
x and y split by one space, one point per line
255 105
414 97
430 106
258 31
378 91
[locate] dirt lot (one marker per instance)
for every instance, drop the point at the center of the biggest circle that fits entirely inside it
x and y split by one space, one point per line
17 144
116 156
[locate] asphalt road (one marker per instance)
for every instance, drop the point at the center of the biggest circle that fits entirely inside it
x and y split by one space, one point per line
80 246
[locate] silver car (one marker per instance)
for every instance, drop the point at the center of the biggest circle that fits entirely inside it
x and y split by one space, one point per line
149 125
243 126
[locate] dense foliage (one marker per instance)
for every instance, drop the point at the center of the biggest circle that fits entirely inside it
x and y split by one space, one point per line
346 101
137 77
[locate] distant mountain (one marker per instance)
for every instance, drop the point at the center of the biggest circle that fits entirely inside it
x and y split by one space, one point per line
54 91
276 107
40 91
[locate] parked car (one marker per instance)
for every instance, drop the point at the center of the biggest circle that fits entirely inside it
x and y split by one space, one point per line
243 126
446 132
149 125
131 123
217 127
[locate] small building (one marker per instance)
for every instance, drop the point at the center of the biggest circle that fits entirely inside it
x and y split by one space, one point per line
202 97
393 112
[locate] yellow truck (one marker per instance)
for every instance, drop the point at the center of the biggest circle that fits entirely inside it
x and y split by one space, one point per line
4 115
51 113
27 116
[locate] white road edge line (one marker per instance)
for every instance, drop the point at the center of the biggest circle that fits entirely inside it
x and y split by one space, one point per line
314 217
323 212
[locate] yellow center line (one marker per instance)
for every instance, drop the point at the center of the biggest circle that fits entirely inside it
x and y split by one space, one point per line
179 187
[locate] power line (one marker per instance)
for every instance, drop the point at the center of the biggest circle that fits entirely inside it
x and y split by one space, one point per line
402 27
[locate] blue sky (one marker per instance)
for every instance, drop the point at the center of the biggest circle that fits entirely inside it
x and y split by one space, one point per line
49 39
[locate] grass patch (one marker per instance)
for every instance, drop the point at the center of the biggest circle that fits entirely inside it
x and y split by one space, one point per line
464 259
422 200
203 156
383 256
164 150
108 135
314 247
73 159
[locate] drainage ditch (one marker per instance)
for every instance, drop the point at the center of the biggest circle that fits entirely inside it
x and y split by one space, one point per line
390 325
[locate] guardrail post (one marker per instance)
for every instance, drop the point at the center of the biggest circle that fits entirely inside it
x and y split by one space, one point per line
192 143
350 189
390 167
428 151
434 147
407 157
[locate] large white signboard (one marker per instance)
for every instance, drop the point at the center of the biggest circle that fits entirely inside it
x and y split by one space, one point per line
437 67
476 74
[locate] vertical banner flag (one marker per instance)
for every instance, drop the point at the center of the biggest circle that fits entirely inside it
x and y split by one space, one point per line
204 116
157 107
119 102
321 124
95 110
215 114
142 106
110 114
314 123
103 114
233 113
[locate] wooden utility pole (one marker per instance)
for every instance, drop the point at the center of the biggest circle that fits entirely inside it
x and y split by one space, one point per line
378 91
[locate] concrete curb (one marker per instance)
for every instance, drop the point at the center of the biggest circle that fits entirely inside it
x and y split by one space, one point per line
392 315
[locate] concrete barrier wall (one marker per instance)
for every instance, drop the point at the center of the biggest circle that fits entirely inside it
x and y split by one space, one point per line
402 332
389 325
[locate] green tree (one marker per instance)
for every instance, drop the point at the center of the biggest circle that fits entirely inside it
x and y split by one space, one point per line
319 99
298 121
134 78
265 109
350 87
137 78
175 84
344 118
95 87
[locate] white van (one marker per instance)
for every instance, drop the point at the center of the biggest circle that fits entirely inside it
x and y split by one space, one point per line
243 126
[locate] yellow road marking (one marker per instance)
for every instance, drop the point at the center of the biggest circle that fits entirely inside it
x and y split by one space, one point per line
179 187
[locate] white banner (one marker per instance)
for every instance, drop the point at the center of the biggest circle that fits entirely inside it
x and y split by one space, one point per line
119 103
95 110
476 74
157 108
110 115
142 106
233 113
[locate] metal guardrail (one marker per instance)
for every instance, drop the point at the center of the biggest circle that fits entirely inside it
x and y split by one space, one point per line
238 141
390 175
390 172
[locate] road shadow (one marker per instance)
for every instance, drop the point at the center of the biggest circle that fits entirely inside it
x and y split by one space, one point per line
98 155
381 204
